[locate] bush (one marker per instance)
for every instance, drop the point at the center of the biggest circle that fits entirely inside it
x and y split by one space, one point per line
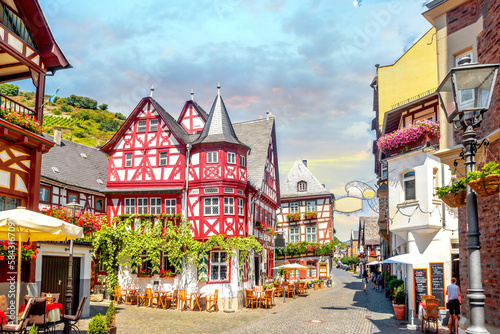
79 132
9 89
66 108
395 283
56 112
97 325
33 330
110 315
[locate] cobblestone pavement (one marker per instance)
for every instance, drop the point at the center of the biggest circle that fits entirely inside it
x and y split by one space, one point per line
344 308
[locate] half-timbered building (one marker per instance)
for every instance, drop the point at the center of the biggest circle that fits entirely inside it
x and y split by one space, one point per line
307 215
222 177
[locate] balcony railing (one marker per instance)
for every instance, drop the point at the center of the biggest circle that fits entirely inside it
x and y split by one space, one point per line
8 103
15 24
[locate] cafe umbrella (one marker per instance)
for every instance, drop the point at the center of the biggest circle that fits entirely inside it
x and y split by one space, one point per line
24 225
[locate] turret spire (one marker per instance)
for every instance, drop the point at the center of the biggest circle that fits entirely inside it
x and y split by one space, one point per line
192 95
152 91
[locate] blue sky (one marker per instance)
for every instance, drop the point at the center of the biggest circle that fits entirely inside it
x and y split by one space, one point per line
310 63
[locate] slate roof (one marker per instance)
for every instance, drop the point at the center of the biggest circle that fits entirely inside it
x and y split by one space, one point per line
74 168
299 172
354 235
218 128
257 135
371 228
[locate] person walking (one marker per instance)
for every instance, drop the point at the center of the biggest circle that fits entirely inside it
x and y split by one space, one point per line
372 278
453 305
365 279
380 281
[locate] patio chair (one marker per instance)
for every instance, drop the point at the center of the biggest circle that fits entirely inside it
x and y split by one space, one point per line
172 298
184 299
23 322
273 295
118 294
278 290
303 287
424 298
38 315
267 298
72 320
251 299
297 288
289 290
431 316
147 298
213 300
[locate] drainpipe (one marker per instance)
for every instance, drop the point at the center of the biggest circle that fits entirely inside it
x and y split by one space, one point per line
443 209
188 155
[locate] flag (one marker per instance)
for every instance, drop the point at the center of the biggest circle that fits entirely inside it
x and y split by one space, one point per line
53 97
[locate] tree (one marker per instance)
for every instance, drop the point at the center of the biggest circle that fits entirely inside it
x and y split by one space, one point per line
109 125
82 102
65 108
120 116
9 89
103 106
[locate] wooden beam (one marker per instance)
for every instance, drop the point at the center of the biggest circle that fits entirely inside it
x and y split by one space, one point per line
14 77
3 66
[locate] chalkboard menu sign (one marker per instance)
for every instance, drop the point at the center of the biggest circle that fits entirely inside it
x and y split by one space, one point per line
420 279
437 282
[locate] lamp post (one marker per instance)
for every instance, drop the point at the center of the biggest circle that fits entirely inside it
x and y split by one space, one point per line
73 206
465 95
280 242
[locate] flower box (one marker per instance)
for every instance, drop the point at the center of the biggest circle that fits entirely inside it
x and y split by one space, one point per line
311 215
293 216
144 275
412 145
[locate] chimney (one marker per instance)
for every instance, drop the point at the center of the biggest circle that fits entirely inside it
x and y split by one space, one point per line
268 115
304 162
324 186
57 136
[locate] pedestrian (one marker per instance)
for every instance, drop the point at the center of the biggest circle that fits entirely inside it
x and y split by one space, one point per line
372 278
365 279
380 281
453 305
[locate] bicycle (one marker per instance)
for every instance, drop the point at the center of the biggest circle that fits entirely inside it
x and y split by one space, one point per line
329 283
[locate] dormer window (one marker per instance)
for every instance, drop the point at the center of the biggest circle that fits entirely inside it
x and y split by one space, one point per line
141 126
302 186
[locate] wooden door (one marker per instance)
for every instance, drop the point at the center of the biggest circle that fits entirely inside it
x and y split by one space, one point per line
55 278
323 270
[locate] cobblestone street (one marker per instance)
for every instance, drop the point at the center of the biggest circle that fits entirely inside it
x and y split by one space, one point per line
344 308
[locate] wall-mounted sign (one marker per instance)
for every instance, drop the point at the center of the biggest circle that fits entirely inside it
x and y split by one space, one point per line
348 204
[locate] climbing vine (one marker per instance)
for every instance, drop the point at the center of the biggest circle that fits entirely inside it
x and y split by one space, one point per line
150 236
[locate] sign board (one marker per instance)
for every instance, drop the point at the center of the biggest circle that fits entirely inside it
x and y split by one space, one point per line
437 281
420 284
279 241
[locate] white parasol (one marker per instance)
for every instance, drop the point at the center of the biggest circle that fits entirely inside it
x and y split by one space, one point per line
412 258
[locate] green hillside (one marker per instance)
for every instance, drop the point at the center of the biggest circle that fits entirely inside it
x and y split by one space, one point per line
81 119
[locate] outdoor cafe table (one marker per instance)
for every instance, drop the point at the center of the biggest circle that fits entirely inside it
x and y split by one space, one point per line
129 293
53 311
197 296
3 318
160 295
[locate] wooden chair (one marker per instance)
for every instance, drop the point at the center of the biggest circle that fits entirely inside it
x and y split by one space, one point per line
288 289
118 294
273 295
425 297
38 314
297 288
159 300
266 299
250 297
184 299
23 322
303 287
431 316
278 290
147 298
213 300
73 319
172 298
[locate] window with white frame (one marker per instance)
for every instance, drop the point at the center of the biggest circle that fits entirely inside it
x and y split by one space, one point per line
153 125
409 185
435 181
163 158
218 266
243 161
212 157
231 157
240 206
129 206
170 206
142 206
294 234
211 206
311 234
141 126
294 273
128 160
311 206
155 204
229 205
294 207
302 186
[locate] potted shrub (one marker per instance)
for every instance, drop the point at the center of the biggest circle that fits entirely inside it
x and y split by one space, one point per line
97 325
110 319
485 182
398 303
316 284
321 283
454 195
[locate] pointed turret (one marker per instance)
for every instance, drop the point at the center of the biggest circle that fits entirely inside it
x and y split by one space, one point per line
218 128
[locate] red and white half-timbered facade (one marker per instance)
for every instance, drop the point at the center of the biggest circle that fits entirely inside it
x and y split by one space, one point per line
221 176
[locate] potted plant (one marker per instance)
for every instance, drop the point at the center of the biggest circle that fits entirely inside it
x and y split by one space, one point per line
293 216
311 215
485 182
144 273
316 284
321 283
110 319
97 325
454 195
166 273
398 303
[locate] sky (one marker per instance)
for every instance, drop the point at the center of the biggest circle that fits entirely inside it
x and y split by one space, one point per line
309 63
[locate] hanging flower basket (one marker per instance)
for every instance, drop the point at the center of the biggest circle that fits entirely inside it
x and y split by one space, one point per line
486 186
455 200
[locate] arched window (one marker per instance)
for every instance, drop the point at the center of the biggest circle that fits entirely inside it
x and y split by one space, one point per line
302 186
409 185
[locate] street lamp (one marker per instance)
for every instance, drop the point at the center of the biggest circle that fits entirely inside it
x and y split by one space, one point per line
73 206
465 95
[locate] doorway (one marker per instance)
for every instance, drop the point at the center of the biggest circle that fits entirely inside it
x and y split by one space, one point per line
257 270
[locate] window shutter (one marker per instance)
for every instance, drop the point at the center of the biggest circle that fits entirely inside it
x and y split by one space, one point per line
134 269
178 267
203 268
